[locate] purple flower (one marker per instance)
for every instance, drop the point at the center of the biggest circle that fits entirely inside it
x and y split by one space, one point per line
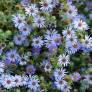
69 1
36 51
53 48
75 76
30 69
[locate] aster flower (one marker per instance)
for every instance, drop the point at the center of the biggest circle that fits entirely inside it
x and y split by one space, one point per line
12 56
80 24
46 65
63 60
76 76
25 80
19 20
25 30
81 17
88 78
67 88
31 10
71 12
56 38
46 6
86 42
72 45
17 80
39 22
52 48
37 42
35 51
59 73
33 83
30 69
68 32
60 84
19 39
7 81
52 39
25 58
73 48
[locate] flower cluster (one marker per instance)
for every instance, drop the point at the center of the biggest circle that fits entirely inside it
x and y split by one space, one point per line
46 48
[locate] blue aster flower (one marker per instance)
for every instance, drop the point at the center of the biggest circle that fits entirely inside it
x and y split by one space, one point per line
72 45
33 83
12 56
37 42
52 39
46 65
19 39
19 20
25 30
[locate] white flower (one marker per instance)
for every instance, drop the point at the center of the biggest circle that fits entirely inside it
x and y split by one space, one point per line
24 80
48 67
59 73
88 78
66 88
19 20
71 12
37 42
60 84
80 24
17 80
63 60
39 22
7 81
87 42
68 32
46 5
31 10
25 30
33 83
